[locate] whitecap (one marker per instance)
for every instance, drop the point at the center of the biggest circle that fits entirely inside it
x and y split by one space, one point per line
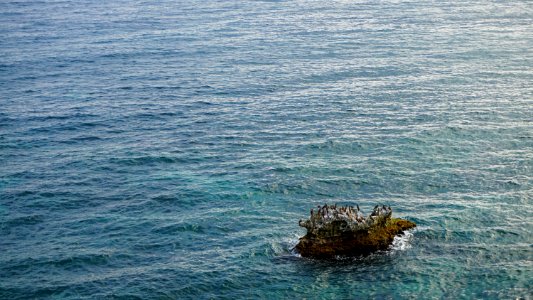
402 242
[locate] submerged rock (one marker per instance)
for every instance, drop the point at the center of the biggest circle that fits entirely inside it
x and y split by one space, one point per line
345 231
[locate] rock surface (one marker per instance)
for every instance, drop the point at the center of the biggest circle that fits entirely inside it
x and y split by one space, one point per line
345 231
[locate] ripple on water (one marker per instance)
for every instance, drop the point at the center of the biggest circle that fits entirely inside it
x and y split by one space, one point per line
168 150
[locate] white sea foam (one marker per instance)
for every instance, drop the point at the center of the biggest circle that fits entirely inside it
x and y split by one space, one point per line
402 242
290 242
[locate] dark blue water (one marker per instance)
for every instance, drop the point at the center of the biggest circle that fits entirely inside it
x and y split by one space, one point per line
163 149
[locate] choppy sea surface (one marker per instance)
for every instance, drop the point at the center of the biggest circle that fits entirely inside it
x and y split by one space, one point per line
167 149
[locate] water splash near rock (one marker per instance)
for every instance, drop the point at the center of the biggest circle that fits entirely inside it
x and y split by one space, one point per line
345 231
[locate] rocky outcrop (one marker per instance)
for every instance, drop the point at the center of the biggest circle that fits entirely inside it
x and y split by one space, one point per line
345 231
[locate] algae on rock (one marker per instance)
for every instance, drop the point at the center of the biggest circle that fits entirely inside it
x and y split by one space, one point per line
344 231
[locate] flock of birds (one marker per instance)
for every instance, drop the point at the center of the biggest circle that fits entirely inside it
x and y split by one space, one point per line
331 212
353 218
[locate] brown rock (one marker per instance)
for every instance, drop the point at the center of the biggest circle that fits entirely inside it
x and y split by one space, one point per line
342 231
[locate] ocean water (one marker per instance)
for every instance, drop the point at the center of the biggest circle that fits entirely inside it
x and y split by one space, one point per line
167 149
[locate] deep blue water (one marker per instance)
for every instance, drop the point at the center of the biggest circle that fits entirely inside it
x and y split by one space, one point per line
167 149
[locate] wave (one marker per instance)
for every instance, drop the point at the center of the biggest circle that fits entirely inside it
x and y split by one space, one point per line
146 160
402 242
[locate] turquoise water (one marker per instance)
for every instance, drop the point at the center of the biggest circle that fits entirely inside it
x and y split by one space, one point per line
168 149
